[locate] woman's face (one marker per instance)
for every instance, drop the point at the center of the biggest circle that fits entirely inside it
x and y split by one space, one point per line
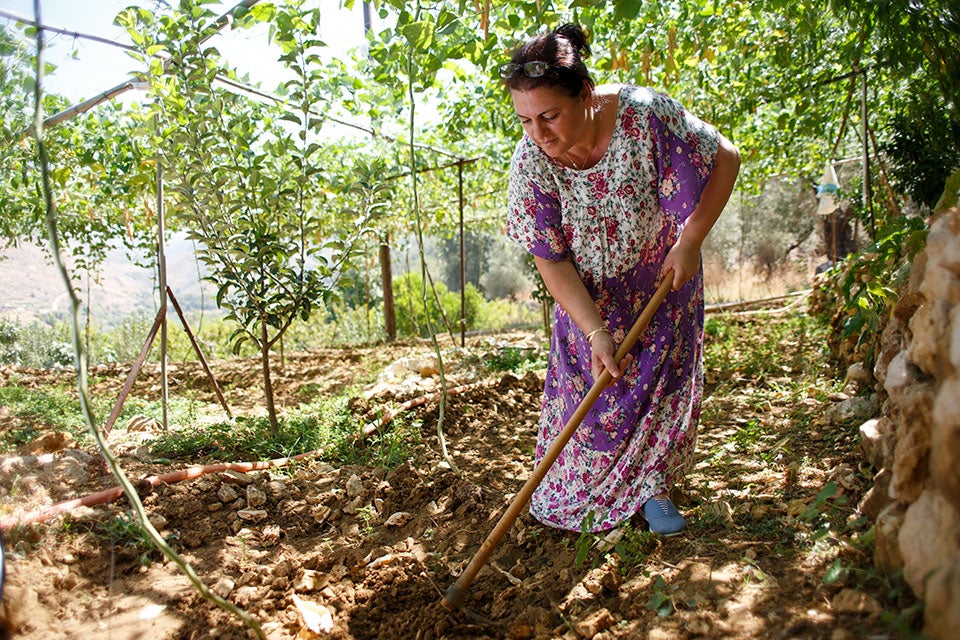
553 120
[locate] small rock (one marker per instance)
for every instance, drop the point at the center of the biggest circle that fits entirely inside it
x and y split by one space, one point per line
158 521
841 634
321 513
270 535
255 496
354 486
594 623
520 631
859 374
277 488
252 515
284 568
308 580
22 605
237 477
224 587
698 627
50 443
227 493
853 601
398 519
353 507
67 582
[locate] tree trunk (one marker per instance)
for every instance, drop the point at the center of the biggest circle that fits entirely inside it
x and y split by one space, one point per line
386 273
267 382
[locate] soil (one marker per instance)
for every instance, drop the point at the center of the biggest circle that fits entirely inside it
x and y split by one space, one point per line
353 552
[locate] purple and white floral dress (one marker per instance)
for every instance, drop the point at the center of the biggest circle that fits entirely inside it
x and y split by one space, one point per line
616 221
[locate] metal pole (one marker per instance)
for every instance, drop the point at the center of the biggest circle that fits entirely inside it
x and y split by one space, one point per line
867 200
367 19
463 284
162 268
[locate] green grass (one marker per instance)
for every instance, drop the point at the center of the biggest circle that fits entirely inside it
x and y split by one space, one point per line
495 358
57 408
785 346
327 425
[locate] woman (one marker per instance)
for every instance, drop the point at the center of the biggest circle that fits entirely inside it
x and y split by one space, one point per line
610 188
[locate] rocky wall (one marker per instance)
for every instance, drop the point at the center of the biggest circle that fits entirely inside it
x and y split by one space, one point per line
915 443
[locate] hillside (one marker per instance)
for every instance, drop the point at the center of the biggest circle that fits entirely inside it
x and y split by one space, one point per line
31 288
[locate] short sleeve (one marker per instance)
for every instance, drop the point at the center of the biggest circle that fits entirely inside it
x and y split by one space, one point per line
534 216
685 151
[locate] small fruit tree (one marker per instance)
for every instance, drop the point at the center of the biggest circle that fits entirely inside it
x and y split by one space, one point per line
246 176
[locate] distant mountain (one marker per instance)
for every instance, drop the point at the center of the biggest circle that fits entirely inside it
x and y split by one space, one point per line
32 288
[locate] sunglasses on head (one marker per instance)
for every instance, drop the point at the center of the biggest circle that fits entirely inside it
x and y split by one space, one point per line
532 69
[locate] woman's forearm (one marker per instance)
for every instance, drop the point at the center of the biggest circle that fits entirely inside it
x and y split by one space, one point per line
714 196
565 285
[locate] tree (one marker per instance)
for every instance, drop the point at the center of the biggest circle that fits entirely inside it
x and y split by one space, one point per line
246 177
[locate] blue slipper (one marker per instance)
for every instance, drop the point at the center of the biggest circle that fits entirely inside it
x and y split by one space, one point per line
663 517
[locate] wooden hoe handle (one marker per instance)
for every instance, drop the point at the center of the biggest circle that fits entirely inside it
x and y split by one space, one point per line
455 593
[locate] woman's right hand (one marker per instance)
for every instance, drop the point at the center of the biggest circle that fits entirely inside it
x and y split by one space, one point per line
603 352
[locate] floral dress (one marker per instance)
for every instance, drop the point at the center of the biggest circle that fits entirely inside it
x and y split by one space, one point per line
616 221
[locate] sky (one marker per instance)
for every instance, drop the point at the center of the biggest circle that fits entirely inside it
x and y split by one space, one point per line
86 68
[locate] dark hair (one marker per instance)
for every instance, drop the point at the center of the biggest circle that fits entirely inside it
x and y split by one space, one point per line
563 49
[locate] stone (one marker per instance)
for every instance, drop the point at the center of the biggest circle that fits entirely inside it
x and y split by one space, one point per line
853 601
398 519
158 521
255 496
856 408
22 609
901 373
858 373
252 515
270 535
945 442
224 587
940 277
871 442
308 580
954 344
236 477
927 348
227 493
928 538
942 604
878 496
50 443
593 623
891 343
354 486
887 554
912 451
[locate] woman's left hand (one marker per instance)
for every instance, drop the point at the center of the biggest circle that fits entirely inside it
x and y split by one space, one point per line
684 259
603 356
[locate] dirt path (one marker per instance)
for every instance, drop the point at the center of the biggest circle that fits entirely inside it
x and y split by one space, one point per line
774 549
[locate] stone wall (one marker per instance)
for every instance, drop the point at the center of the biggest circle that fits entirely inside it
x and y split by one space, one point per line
915 443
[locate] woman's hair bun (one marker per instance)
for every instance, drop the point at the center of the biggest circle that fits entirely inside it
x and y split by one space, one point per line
576 36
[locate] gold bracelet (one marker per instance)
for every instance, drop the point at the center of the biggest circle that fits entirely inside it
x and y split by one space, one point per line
595 332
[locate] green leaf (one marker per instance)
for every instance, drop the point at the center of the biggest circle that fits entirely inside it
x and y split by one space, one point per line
835 573
418 34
